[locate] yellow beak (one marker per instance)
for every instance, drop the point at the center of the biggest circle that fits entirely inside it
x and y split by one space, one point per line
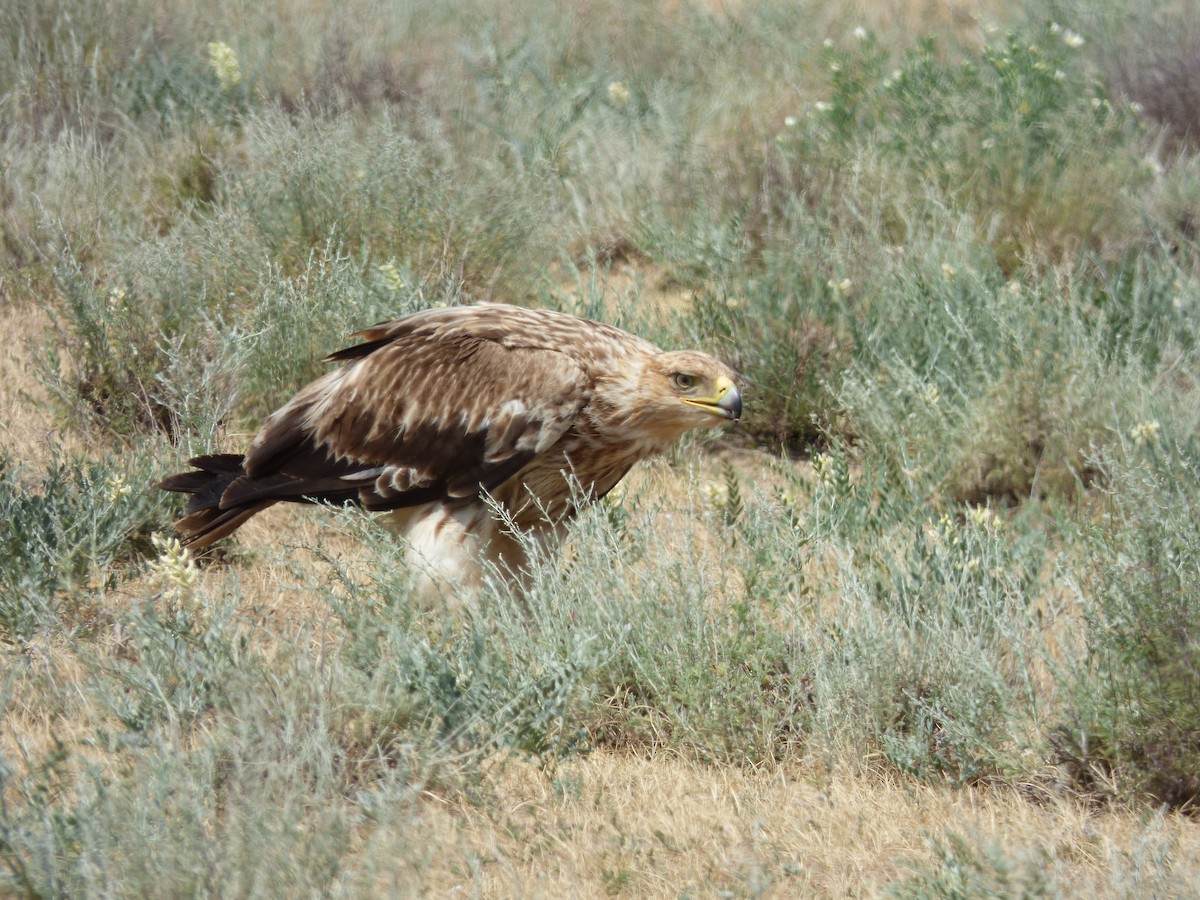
726 402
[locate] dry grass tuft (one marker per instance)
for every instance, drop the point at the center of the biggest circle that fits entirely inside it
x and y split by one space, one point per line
664 826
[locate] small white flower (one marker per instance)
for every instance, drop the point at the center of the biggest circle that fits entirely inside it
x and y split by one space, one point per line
789 121
860 33
931 394
1072 40
822 106
618 93
827 43
948 271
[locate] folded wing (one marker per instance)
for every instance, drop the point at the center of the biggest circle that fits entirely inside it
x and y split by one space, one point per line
425 409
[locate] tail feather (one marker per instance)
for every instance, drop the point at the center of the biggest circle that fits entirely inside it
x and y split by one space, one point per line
222 496
205 521
207 526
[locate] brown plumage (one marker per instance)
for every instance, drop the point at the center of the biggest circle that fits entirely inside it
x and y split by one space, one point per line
432 410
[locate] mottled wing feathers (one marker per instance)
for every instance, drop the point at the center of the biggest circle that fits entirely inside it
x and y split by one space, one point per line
434 407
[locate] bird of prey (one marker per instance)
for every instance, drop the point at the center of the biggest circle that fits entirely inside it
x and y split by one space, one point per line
430 413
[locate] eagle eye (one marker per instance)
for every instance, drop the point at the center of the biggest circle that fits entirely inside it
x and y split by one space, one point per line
683 381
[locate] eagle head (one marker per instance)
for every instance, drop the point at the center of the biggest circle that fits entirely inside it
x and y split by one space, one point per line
686 389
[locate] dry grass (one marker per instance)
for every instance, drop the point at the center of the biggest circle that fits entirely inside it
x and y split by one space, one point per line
667 827
29 430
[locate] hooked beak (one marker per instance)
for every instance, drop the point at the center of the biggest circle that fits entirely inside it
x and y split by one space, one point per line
726 402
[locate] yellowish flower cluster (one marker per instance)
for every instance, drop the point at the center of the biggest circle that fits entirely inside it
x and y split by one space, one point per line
826 468
224 63
983 517
716 494
1145 433
392 276
842 288
175 562
118 487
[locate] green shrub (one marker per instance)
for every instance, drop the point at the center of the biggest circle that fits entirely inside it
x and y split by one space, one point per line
1134 727
1150 56
66 535
791 360
970 868
259 798
928 655
563 668
1016 135
148 344
986 390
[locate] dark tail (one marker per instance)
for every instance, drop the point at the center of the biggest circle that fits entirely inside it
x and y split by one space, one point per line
206 521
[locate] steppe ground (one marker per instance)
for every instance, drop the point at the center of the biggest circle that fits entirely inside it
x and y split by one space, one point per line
685 786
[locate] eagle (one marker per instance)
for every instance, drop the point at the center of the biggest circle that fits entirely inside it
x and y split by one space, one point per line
468 425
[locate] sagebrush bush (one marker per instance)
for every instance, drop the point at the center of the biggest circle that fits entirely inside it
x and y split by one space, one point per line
995 391
966 867
1133 728
790 359
66 535
1153 58
231 774
927 655
565 669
